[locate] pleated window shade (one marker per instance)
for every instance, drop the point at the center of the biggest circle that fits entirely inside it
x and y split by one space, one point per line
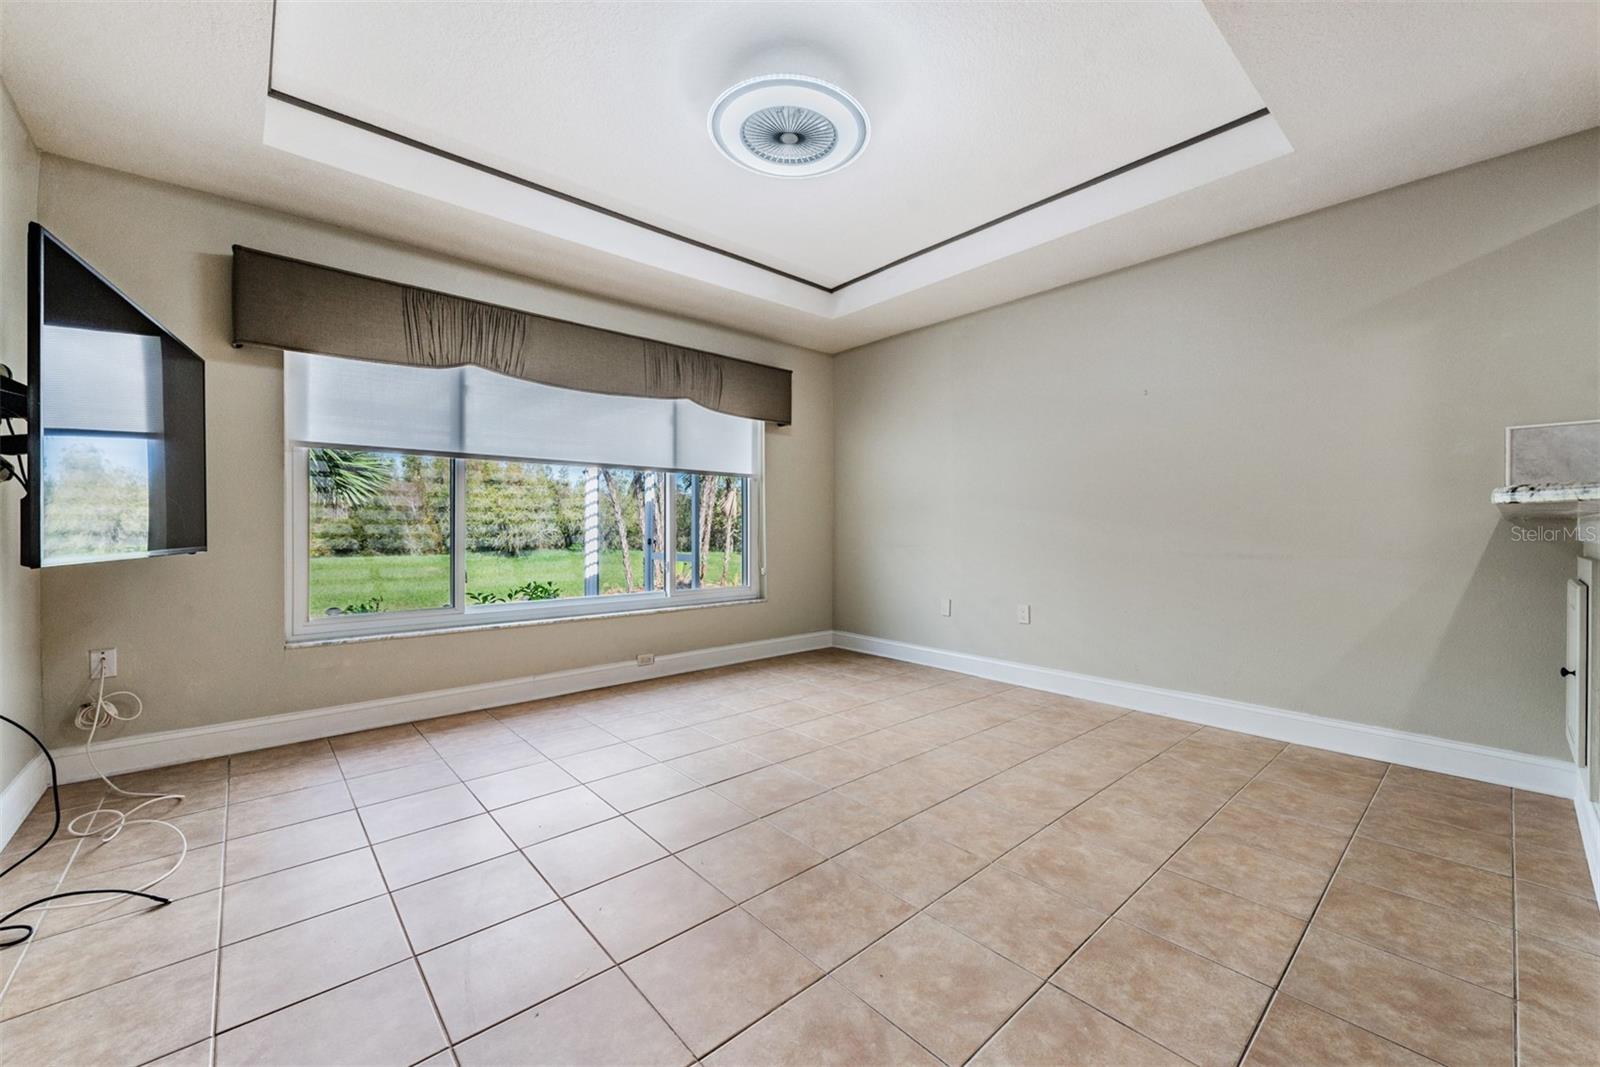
470 411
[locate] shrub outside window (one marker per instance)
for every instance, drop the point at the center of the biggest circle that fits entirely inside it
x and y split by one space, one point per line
386 542
436 497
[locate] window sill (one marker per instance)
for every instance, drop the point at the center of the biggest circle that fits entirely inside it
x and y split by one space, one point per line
514 624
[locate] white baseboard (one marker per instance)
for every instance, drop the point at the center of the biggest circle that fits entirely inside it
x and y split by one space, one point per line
21 794
1500 766
1537 774
167 747
1589 827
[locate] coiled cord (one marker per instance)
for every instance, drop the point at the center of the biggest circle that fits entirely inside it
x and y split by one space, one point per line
92 717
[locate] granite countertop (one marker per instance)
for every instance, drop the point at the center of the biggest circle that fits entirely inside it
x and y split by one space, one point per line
1555 501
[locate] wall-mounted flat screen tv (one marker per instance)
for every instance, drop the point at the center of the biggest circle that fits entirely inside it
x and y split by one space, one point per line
116 422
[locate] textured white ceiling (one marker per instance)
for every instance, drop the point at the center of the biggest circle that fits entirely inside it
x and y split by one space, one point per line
1370 96
976 110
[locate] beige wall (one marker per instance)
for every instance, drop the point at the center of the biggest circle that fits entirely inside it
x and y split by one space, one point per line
1259 469
19 588
200 638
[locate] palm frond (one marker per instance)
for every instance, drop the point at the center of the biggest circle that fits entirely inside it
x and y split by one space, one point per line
348 479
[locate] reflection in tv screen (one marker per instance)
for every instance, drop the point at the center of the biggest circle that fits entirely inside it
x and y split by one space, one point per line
117 440
96 496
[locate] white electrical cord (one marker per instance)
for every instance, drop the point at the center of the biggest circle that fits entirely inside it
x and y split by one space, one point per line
91 717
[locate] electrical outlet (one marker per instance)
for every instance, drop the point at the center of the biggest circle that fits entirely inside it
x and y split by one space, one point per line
1024 614
944 607
102 663
646 658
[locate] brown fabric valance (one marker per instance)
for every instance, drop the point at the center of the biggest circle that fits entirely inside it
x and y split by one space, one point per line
286 303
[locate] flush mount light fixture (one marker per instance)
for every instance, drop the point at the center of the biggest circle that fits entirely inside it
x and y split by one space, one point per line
788 125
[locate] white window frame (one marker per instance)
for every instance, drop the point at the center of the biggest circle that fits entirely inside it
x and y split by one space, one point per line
301 628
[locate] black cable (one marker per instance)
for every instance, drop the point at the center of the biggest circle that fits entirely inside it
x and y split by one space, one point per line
23 931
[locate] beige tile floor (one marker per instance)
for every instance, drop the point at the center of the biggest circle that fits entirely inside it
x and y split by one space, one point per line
821 859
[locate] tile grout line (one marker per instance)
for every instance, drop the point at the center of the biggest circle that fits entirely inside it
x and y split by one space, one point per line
1444 825
311 996
1424 900
453 770
451 1041
227 790
1307 931
711 786
830 972
825 790
1289 963
739 905
338 985
1397 891
368 848
222 904
616 965
415 959
1511 928
824 787
61 880
129 978
1516 956
1417 963
562 899
824 975
1113 914
913 718
1232 797
1363 940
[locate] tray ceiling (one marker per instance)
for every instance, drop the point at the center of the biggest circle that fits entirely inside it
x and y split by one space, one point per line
443 125
973 116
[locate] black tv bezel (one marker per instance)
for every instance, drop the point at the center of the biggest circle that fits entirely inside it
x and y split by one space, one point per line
33 501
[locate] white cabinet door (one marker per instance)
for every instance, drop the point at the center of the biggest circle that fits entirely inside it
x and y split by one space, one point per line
1575 671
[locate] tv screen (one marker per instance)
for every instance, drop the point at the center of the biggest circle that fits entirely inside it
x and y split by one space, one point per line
116 422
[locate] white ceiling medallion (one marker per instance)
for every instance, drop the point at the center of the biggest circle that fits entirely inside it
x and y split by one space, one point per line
789 126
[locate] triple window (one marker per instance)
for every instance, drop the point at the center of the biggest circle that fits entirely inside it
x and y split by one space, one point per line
387 539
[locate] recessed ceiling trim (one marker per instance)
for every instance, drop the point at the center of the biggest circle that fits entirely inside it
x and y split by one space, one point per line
423 146
1158 178
281 97
325 136
356 148
1361 97
1053 197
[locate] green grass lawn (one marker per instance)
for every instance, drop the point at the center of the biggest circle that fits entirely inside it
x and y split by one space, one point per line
407 583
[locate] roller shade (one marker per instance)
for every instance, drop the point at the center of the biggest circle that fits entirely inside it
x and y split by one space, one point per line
289 304
468 411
